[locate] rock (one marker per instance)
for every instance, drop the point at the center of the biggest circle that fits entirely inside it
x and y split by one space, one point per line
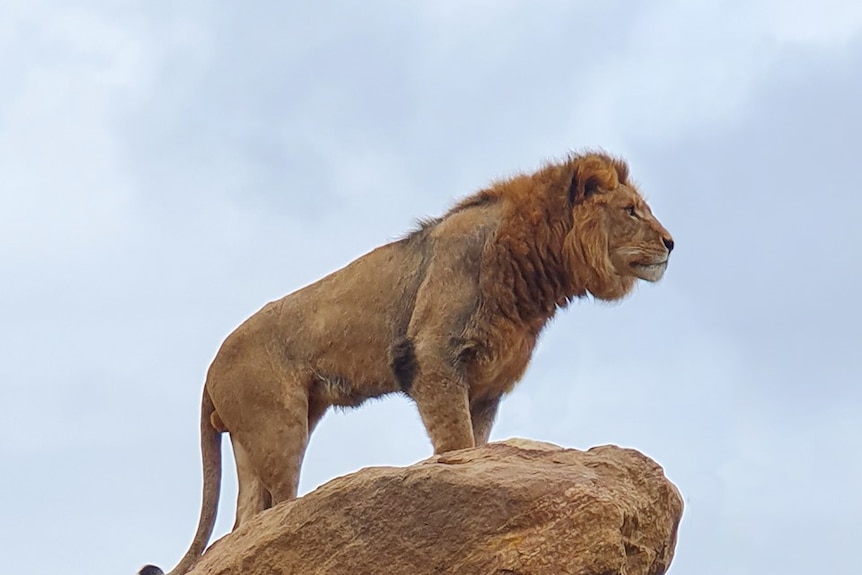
510 508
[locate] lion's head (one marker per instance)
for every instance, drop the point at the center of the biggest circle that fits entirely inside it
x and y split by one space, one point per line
614 231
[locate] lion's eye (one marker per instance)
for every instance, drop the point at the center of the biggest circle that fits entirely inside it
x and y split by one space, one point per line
630 210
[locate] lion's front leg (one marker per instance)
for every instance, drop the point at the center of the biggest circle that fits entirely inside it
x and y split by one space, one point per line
482 415
442 399
445 413
428 362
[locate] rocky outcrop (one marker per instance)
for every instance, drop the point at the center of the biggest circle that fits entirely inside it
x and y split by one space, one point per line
511 508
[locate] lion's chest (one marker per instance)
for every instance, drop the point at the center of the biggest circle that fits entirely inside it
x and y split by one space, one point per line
499 362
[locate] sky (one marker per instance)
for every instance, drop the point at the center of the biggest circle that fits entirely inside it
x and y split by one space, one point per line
167 168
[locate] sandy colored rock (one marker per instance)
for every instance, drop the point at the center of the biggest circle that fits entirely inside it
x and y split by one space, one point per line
511 508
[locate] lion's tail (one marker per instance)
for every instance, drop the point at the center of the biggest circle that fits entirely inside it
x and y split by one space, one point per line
211 457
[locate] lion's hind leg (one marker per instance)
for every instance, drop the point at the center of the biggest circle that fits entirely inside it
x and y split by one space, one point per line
252 496
272 442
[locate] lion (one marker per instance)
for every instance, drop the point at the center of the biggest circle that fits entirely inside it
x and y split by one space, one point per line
448 315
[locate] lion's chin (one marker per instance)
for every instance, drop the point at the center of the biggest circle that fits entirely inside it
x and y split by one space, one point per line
650 272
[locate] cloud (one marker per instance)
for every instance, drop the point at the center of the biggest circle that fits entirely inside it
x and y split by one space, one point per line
63 189
167 170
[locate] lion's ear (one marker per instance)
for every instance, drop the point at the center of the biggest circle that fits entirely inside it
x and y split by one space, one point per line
582 188
591 174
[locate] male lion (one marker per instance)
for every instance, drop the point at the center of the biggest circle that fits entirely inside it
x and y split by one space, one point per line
448 315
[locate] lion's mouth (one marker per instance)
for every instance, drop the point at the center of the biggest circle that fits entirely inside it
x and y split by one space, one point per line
650 272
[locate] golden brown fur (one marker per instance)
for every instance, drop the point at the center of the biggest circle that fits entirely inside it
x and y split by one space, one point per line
448 315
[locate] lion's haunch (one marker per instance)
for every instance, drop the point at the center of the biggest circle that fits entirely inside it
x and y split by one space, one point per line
448 315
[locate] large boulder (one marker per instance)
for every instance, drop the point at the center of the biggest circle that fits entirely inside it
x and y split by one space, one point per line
516 507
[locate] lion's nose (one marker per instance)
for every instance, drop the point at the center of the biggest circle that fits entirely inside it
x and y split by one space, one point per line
668 243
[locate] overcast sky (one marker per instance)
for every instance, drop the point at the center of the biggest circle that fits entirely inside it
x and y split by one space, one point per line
167 168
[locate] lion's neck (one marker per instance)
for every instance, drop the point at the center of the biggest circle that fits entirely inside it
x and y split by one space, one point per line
594 276
531 280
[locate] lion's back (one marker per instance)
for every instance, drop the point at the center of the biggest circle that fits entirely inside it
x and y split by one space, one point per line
344 319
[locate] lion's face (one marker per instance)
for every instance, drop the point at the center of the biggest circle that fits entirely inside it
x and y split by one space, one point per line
621 240
638 245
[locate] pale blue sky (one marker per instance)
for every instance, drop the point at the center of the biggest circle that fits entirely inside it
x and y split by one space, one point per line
166 170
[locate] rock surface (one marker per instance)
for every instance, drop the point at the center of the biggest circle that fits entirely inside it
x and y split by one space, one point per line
511 508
